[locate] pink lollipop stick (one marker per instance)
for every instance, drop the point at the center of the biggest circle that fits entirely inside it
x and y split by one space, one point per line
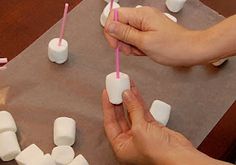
3 60
63 23
117 51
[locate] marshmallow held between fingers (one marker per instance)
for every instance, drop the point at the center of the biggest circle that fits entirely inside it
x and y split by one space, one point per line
220 62
117 1
9 146
171 17
106 11
160 111
29 155
79 160
64 131
46 160
7 123
175 5
116 86
63 155
56 53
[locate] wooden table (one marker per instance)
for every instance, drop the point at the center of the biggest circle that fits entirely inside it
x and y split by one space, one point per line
22 22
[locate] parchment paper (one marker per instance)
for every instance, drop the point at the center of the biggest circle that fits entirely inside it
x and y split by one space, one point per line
37 91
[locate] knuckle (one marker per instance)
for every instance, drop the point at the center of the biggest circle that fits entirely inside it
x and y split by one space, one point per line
126 33
143 42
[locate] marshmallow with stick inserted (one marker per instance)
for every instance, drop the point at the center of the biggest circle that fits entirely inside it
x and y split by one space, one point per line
58 53
9 146
116 86
160 111
106 12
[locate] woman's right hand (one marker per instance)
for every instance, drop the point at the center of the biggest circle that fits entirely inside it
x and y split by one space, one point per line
147 31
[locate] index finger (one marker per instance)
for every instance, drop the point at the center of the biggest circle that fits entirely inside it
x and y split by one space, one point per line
111 124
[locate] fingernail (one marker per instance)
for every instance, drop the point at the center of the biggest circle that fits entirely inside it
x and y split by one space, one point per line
127 95
111 28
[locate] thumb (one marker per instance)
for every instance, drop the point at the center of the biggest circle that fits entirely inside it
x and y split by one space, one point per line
134 108
125 33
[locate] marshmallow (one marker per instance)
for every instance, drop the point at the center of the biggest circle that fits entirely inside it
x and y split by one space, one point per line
110 1
138 6
46 160
171 17
115 87
79 160
220 62
64 131
106 11
175 5
63 155
160 111
7 122
29 155
56 53
9 146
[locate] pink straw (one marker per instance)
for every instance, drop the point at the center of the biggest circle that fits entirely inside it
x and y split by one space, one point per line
3 60
117 51
63 23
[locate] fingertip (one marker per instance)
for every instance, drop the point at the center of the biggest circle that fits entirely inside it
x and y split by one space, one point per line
132 83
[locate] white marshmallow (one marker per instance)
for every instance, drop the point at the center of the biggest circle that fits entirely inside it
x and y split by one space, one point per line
171 17
106 11
29 155
46 160
56 53
115 87
79 160
175 5
7 122
220 62
160 111
63 155
138 6
64 131
110 1
9 146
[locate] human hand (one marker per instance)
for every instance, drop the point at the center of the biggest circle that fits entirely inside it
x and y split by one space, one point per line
143 140
147 31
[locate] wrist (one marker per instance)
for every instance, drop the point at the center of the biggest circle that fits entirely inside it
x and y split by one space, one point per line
194 157
199 47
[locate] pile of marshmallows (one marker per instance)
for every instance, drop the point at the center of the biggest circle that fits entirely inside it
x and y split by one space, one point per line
173 5
62 154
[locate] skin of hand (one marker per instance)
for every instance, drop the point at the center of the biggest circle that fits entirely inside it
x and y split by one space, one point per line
147 31
137 138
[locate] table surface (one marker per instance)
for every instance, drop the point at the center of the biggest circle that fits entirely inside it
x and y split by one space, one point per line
17 26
